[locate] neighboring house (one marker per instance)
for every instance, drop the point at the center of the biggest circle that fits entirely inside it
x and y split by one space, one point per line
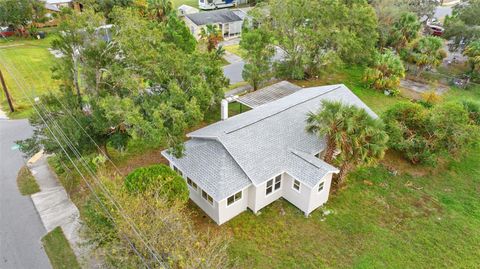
254 158
228 21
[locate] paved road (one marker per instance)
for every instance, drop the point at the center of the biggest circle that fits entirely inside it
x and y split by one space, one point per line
20 226
234 70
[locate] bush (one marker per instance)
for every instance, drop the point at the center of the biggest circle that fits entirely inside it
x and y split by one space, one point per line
473 109
159 178
420 134
408 126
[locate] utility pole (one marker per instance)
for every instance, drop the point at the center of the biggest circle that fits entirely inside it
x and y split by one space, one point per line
10 104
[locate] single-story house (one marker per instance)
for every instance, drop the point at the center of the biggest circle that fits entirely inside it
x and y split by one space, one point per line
254 158
228 21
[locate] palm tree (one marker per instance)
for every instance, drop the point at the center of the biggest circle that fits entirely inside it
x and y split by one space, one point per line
327 123
363 143
160 9
472 51
211 35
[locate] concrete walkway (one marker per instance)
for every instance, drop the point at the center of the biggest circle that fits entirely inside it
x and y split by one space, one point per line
55 207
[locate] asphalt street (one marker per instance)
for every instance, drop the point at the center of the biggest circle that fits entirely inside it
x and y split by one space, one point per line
20 226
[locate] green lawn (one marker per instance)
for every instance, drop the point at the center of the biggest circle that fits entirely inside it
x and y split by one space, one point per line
31 62
177 3
59 251
398 222
235 49
27 185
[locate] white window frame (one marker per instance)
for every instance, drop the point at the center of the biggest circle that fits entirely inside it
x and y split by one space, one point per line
294 184
177 170
192 184
235 199
209 198
274 183
321 186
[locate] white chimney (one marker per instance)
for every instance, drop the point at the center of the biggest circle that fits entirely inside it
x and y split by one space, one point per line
224 109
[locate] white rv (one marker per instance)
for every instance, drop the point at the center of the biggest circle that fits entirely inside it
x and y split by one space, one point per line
215 4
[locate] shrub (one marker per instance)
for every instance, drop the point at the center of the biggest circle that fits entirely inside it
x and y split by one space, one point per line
431 97
473 110
420 134
386 72
159 178
408 126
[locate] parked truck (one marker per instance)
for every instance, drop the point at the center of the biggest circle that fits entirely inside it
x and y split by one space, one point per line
215 4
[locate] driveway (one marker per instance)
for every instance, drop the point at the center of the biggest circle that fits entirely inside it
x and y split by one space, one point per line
20 226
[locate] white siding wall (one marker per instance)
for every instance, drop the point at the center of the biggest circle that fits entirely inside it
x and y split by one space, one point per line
300 199
226 212
319 198
196 196
262 200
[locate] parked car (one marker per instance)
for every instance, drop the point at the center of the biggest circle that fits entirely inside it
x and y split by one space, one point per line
6 31
435 30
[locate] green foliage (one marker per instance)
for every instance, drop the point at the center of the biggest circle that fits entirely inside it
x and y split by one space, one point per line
386 72
317 36
211 35
404 30
473 110
158 178
464 25
421 134
360 138
259 51
426 52
472 51
17 13
164 224
147 84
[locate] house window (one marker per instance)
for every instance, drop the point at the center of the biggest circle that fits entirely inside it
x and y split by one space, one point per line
273 184
278 182
192 184
320 187
207 197
296 185
269 187
232 199
177 170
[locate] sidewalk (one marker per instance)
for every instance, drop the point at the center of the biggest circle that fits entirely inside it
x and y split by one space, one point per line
55 207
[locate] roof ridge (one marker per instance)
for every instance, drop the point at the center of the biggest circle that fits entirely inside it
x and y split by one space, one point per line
284 109
299 154
233 158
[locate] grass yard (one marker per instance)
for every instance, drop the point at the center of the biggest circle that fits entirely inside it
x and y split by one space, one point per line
235 49
59 251
352 78
377 221
177 3
27 185
32 63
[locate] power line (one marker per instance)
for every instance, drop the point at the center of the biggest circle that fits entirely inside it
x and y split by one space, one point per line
36 108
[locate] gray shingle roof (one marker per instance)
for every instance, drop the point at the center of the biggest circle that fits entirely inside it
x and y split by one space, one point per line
212 17
268 94
209 165
261 143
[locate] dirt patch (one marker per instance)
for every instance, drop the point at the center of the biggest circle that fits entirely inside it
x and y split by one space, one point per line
414 89
145 159
396 163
